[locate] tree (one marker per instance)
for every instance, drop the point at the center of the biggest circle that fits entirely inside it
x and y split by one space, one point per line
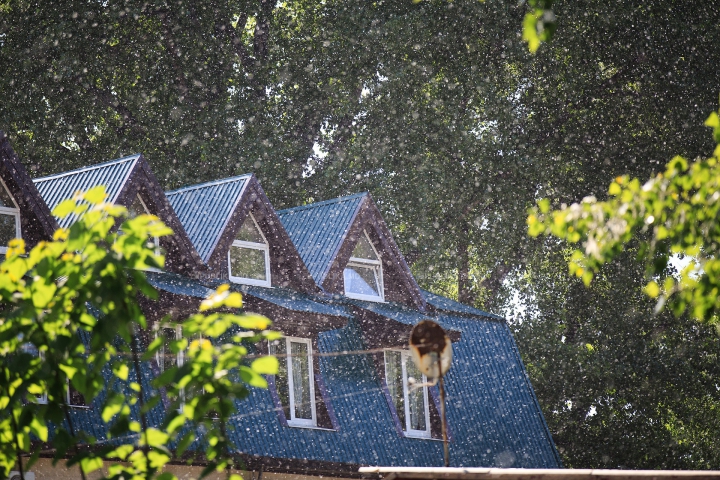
675 213
436 108
72 320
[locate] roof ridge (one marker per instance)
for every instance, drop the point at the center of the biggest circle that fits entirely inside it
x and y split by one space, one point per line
86 169
320 204
208 184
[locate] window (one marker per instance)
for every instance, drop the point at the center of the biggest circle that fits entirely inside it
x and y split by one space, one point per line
167 359
9 218
138 207
73 398
411 404
249 256
295 383
363 273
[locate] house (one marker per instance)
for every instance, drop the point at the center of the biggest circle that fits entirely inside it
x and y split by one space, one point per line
335 283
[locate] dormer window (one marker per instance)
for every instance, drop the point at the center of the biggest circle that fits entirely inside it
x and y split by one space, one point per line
9 218
363 273
249 256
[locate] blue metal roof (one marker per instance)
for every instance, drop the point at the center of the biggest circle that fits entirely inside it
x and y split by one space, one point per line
318 230
113 174
396 311
449 305
289 299
493 415
177 284
204 210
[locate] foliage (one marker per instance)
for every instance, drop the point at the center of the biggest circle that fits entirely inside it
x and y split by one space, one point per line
677 209
72 319
436 108
620 386
538 24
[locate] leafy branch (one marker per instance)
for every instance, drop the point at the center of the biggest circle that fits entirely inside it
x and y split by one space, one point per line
72 318
678 211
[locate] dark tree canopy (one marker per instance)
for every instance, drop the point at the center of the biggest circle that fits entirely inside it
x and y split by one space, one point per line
439 110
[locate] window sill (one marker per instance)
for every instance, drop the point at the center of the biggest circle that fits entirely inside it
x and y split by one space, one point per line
367 298
311 427
420 437
249 281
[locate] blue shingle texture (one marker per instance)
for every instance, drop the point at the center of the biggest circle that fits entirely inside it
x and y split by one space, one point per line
113 175
204 210
492 412
318 230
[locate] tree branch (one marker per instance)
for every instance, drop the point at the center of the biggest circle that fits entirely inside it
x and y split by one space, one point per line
246 60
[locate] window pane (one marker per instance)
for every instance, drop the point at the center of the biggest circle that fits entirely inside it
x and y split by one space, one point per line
277 348
7 229
249 232
247 263
394 378
361 280
166 358
416 397
363 249
75 397
301 380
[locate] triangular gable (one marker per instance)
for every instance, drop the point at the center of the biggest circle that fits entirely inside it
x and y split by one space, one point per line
326 234
125 179
214 213
36 221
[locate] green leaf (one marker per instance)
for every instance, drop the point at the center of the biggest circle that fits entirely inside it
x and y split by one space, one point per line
184 443
544 205
252 378
652 289
95 195
121 371
64 208
266 365
90 464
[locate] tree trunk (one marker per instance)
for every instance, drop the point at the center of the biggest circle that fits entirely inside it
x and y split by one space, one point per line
463 259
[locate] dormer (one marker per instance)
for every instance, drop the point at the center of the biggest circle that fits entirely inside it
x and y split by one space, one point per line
350 251
23 213
238 235
128 182
249 255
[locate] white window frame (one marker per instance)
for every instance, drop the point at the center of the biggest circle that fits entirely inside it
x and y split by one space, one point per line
410 432
14 211
265 247
180 355
376 265
68 400
292 421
